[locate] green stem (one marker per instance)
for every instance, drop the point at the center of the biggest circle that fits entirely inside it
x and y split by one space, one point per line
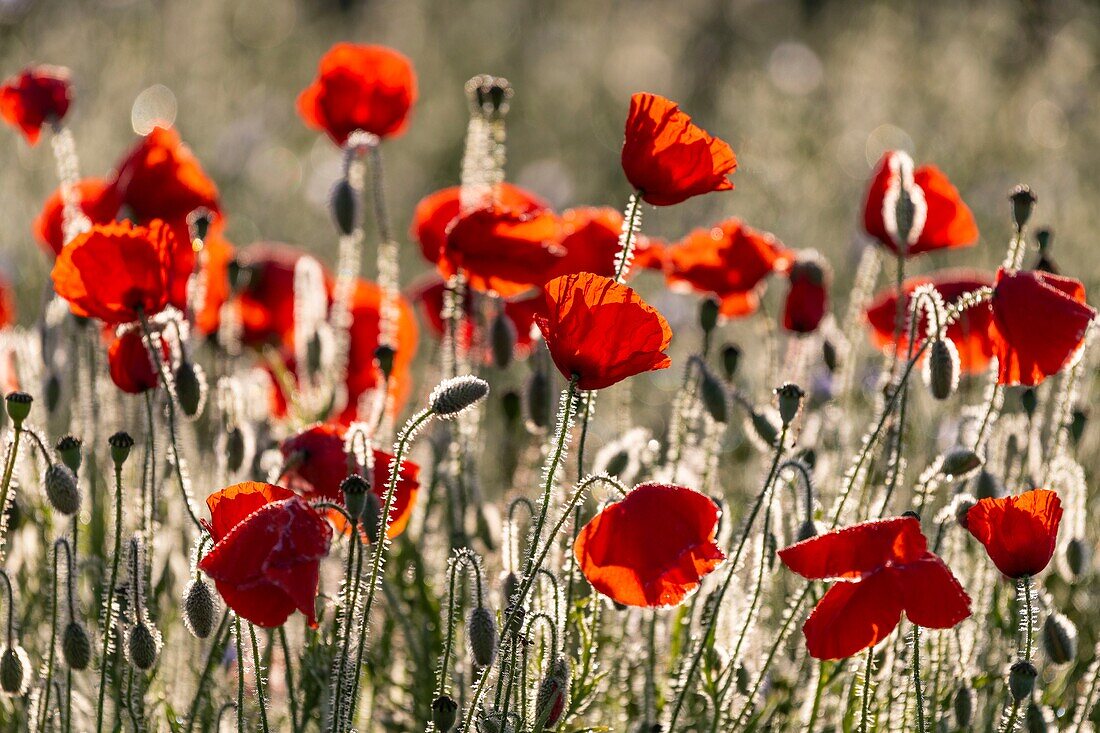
352 570
868 676
109 612
256 664
291 695
630 224
9 469
208 669
917 688
240 674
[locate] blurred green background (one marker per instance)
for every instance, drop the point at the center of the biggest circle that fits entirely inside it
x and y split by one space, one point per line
808 93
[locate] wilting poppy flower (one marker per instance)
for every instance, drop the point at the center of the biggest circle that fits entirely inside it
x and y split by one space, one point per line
941 219
98 201
601 331
435 212
368 88
882 569
652 548
1039 324
808 297
1019 532
160 178
267 553
115 272
503 250
729 260
319 465
129 363
668 158
33 97
970 332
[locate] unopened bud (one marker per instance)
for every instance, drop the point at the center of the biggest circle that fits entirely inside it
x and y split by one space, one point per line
714 396
553 692
708 314
384 356
190 387
538 400
76 646
19 406
959 462
456 395
143 645
121 443
963 704
1023 200
1078 555
199 608
344 201
1059 637
789 396
941 368
731 358
62 490
764 427
502 339
988 486
444 713
509 584
481 636
1029 400
69 448
1021 680
14 664
234 449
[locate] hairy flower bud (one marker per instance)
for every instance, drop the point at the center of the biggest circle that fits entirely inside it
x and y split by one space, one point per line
62 490
714 396
481 636
1021 680
19 406
143 645
444 713
14 664
941 368
69 448
76 646
1078 556
553 692
502 339
959 462
538 400
121 443
708 314
457 394
199 608
344 202
789 396
731 358
764 427
1059 637
190 387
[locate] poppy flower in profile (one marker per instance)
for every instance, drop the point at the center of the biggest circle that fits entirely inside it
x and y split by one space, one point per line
1039 324
729 260
601 331
941 220
319 465
435 212
368 88
667 157
808 297
882 568
267 554
33 97
651 549
117 272
1019 532
970 332
98 201
129 363
160 178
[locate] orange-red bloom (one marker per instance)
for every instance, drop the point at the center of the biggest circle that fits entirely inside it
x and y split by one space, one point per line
129 363
729 260
883 568
267 557
35 96
368 88
217 254
652 548
808 297
1039 324
970 332
667 157
601 331
115 272
98 200
7 307
160 178
266 301
1019 532
435 212
942 218
319 465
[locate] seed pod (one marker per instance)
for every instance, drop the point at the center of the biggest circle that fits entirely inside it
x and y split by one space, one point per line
1023 200
1078 555
69 448
1021 680
121 443
714 397
344 202
143 645
512 405
731 359
384 356
553 693
190 387
1029 400
481 636
19 406
53 392
14 664
1036 719
199 608
963 704
502 339
234 449
444 713
355 489
806 530
941 368
790 397
76 647
708 314
764 427
62 490
1059 637
959 462
538 400
457 394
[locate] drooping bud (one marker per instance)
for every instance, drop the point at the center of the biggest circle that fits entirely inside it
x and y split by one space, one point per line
963 505
988 486
69 448
553 692
538 400
1078 555
731 358
1023 200
457 394
121 443
1059 637
62 490
14 664
512 405
199 607
941 368
444 713
19 406
76 646
714 396
481 636
509 584
143 645
384 356
489 96
963 705
960 462
708 314
190 387
234 449
1029 400
52 391
502 339
789 396
344 202
764 427
1021 680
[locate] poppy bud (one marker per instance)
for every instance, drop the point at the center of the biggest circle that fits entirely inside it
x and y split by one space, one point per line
481 636
538 402
830 355
198 221
344 201
1029 400
121 443
708 314
963 704
199 607
1044 237
1045 263
509 584
1021 679
76 647
190 387
959 462
234 449
764 427
13 671
1078 557
941 368
1022 202
1036 719
714 397
512 406
62 490
806 530
457 394
69 448
444 713
489 96
355 489
731 357
790 401
383 356
53 392
1078 419
239 275
143 645
19 406
517 614
502 339
988 486
1059 638
313 353
553 693
963 505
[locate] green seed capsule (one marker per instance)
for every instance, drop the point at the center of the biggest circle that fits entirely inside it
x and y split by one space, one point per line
1021 680
76 646
143 645
62 490
19 407
789 396
121 443
69 448
714 397
444 713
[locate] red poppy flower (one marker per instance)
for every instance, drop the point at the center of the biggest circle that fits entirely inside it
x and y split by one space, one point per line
33 97
98 200
943 220
435 212
808 297
883 568
115 272
601 331
369 88
267 556
1019 532
729 260
668 158
320 465
217 254
652 548
7 307
129 363
503 250
1039 324
970 332
160 178
266 301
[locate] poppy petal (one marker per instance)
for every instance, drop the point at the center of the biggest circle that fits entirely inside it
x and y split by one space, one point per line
856 550
931 595
230 506
853 616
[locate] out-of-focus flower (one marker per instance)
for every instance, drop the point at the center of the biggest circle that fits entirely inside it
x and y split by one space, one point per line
883 568
1019 532
267 554
130 364
217 254
1039 324
33 97
601 331
808 296
590 238
368 88
941 219
266 300
652 548
667 157
7 310
160 178
98 200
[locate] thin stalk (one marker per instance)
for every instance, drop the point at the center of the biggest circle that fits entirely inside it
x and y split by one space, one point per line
240 675
256 664
918 690
291 695
109 612
868 675
208 668
629 235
